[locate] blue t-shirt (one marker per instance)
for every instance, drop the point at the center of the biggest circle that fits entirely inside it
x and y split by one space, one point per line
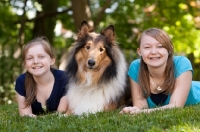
58 91
182 64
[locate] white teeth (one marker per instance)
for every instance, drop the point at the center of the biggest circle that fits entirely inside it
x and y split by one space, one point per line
36 67
154 58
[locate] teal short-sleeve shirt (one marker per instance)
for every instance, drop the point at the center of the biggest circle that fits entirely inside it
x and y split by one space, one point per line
181 65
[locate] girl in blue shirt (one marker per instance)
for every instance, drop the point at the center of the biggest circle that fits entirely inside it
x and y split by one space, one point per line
160 80
41 89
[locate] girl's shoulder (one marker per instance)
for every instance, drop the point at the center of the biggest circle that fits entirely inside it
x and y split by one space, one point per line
182 64
59 74
135 65
21 77
133 70
136 62
181 61
19 85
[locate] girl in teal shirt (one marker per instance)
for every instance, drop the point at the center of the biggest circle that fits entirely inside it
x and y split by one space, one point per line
160 80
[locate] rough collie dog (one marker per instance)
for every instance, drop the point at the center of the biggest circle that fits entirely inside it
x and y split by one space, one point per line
98 71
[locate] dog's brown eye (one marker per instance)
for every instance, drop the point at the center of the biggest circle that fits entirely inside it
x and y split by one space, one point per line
87 47
101 49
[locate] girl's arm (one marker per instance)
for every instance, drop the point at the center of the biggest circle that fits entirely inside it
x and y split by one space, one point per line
137 95
21 107
181 90
63 105
139 102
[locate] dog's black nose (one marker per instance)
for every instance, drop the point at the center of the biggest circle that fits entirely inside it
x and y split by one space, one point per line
91 62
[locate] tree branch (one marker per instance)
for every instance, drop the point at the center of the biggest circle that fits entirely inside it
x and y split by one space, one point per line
43 15
101 13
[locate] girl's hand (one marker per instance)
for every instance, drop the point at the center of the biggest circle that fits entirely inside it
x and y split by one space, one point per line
131 110
30 115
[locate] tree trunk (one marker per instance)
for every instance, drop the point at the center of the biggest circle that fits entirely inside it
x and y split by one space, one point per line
45 25
81 11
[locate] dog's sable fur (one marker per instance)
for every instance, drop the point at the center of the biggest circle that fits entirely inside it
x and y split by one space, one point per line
97 69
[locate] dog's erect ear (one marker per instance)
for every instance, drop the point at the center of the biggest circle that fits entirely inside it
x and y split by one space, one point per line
84 29
109 32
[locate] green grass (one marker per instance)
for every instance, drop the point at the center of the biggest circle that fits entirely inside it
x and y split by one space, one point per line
174 120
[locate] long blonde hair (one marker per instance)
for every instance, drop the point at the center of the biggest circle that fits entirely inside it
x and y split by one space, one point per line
30 84
169 79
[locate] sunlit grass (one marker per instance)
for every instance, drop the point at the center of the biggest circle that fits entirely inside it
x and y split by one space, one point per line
175 120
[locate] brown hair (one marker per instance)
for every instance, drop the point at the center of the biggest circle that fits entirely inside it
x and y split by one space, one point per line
30 84
169 79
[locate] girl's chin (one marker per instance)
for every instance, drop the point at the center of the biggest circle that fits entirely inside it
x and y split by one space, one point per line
154 64
37 72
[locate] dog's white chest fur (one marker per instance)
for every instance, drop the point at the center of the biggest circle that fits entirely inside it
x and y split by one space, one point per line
91 99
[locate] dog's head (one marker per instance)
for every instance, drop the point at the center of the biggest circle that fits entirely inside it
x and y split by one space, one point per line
94 48
93 52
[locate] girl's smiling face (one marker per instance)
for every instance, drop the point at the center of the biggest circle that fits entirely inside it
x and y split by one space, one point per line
37 61
152 52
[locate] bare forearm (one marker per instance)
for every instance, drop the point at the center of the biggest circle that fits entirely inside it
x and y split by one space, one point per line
169 106
136 110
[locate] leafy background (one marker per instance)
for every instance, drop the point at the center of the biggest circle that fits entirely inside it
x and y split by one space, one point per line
59 21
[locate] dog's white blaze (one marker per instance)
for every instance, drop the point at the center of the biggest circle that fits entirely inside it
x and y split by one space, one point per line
88 77
87 98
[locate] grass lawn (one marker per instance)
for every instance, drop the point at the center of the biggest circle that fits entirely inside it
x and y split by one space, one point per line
174 120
